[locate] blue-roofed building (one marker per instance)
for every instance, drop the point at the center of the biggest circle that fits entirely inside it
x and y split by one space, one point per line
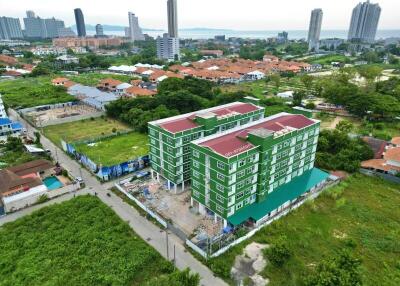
8 127
92 96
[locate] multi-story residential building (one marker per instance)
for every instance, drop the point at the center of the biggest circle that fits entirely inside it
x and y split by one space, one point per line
168 45
80 22
172 8
135 32
168 48
10 28
364 22
38 28
93 43
99 31
314 30
250 172
170 138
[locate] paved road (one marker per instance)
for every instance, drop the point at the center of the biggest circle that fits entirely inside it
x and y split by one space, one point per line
145 229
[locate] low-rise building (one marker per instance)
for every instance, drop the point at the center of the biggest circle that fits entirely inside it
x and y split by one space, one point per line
67 60
251 172
22 185
136 91
109 84
170 138
213 53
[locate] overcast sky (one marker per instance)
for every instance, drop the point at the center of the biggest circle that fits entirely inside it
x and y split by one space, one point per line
231 14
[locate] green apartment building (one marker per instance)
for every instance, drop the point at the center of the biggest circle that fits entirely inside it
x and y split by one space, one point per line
253 171
170 138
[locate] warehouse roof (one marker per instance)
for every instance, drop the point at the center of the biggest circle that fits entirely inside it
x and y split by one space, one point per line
278 197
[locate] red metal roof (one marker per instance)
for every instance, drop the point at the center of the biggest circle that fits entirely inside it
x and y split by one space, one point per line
235 143
182 124
179 125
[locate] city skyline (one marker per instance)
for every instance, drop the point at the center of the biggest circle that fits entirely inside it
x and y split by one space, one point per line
337 15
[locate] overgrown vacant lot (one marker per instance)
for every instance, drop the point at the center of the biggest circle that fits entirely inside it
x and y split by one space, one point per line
29 92
117 149
361 215
79 242
92 79
84 129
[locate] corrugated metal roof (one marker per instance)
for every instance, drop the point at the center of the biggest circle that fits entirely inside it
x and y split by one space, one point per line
281 195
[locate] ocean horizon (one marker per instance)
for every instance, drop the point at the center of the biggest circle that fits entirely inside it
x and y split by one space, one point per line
199 33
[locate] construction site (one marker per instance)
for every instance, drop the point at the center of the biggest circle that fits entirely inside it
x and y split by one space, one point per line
42 116
175 209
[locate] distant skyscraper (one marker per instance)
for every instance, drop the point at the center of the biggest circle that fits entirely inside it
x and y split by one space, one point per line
38 28
135 32
314 30
10 28
168 48
30 14
282 37
80 22
172 18
364 22
99 30
52 27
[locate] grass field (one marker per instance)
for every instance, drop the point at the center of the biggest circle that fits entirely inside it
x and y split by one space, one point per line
362 214
29 92
84 129
92 79
117 149
328 59
78 242
262 88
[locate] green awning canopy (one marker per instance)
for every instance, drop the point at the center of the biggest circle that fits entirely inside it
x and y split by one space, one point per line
278 197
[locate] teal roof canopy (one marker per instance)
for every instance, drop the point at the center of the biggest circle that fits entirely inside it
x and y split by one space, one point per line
279 196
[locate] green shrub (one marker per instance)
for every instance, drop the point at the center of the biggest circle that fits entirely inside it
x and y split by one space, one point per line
279 252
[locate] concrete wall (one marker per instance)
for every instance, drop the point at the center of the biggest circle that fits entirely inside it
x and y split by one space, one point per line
32 199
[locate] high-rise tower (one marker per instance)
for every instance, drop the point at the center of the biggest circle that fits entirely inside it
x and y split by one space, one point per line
314 30
135 32
172 18
364 22
80 22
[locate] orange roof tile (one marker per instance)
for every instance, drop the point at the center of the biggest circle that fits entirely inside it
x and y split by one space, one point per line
395 141
138 91
393 154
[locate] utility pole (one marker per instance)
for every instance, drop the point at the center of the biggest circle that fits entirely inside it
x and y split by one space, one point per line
166 233
174 257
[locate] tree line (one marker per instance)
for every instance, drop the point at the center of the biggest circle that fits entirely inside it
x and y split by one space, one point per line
175 96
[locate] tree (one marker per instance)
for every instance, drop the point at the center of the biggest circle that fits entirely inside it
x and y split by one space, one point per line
342 269
345 126
371 74
298 98
276 79
307 80
310 105
40 70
